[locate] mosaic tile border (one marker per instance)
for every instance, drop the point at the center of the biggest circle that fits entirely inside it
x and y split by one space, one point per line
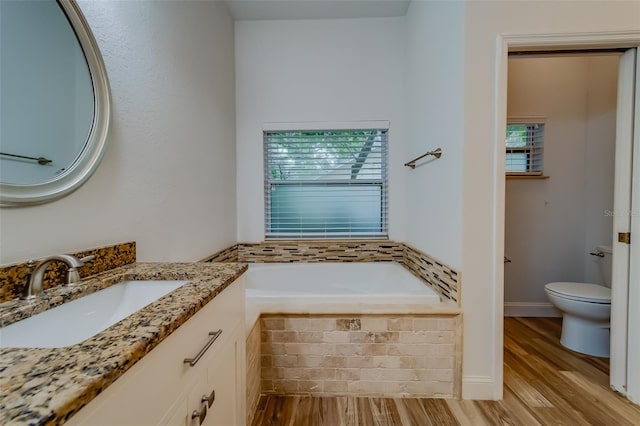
441 278
321 251
13 278
229 254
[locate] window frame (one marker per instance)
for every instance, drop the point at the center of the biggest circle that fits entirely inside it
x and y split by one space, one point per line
529 150
382 183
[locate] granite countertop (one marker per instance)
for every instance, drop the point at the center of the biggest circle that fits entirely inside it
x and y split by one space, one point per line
47 386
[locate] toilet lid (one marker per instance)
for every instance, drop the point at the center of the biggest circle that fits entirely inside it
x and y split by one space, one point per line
580 291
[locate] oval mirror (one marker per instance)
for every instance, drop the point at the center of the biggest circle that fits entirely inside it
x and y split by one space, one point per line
54 101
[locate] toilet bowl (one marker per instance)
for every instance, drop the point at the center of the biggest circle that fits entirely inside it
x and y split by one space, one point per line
586 311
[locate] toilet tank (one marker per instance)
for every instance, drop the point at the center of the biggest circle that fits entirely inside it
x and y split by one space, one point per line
605 265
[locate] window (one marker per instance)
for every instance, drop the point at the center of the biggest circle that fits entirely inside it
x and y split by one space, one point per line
524 149
325 183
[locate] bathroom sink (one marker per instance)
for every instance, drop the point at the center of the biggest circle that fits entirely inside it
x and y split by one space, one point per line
80 319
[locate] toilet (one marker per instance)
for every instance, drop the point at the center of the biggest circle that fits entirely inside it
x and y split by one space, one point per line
586 310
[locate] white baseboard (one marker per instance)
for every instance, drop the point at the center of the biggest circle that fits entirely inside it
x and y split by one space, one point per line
478 387
527 309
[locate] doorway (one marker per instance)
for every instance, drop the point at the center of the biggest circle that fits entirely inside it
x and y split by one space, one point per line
558 214
560 160
577 42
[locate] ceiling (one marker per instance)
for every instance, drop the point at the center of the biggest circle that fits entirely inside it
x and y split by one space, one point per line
316 9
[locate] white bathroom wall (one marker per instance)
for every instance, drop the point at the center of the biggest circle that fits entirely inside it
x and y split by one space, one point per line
553 224
167 180
600 158
482 293
325 71
435 111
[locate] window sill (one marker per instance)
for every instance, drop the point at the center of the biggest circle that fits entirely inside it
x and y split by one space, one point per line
526 177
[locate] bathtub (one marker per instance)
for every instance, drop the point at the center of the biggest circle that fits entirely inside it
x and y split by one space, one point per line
336 288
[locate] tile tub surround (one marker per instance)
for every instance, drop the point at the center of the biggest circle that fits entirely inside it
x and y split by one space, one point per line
437 275
46 386
417 356
14 278
253 371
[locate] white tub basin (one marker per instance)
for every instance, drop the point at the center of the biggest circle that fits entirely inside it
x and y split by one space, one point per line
80 319
335 288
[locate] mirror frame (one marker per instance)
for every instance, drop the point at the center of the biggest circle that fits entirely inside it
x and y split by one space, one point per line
85 164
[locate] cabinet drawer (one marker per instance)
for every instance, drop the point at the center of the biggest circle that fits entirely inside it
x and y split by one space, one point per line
144 392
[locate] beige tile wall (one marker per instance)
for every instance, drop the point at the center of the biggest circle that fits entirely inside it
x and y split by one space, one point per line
253 371
397 356
418 356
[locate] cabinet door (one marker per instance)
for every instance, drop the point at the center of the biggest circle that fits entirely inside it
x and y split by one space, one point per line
222 379
177 415
196 404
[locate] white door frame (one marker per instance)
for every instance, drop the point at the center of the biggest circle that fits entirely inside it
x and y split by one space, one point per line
633 325
622 205
521 42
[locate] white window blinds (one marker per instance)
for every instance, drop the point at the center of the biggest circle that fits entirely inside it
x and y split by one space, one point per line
325 183
524 147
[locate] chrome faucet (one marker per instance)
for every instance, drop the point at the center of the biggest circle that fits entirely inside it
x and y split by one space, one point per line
35 281
73 276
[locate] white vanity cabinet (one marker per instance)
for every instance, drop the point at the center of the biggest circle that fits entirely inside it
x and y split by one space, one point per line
162 389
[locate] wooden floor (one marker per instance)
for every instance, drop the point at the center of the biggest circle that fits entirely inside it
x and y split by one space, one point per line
544 384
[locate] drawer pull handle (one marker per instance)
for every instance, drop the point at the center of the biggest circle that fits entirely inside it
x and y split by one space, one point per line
200 415
193 361
209 399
